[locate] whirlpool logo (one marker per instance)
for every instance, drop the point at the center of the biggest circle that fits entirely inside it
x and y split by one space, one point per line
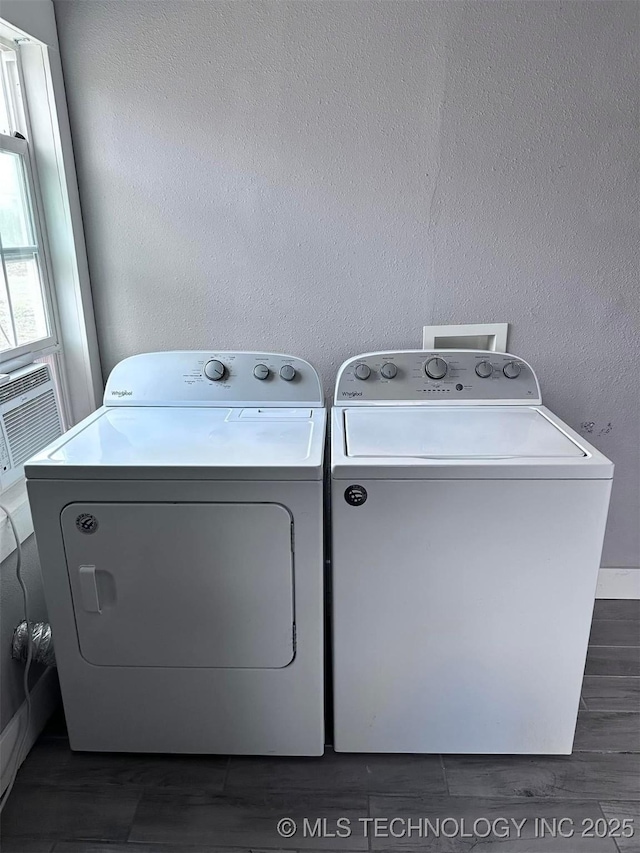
86 523
122 393
352 393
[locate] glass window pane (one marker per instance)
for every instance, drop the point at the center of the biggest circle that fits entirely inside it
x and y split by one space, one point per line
5 119
16 228
23 315
7 336
6 123
25 289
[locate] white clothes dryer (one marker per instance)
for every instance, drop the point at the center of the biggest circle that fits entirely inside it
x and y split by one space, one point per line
180 529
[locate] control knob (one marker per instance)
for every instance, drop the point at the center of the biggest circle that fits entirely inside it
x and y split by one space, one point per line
362 371
484 369
436 368
261 371
512 370
288 372
388 370
215 370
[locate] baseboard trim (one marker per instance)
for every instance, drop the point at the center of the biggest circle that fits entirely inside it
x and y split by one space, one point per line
45 696
618 583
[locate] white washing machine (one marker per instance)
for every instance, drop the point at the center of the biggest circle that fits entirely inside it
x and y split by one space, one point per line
468 524
180 532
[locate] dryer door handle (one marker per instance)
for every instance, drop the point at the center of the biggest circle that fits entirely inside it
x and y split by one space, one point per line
89 589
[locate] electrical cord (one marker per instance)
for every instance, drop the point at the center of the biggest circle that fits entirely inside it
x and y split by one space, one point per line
25 677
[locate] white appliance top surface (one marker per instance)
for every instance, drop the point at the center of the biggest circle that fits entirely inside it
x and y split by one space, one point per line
498 432
208 439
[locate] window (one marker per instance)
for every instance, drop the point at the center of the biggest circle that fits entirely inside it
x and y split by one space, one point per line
46 309
26 317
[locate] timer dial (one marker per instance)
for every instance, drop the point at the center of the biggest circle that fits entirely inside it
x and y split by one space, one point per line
261 371
436 368
388 370
362 371
484 369
215 370
288 372
512 370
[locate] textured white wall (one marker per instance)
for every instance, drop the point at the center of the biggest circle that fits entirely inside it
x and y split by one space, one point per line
326 177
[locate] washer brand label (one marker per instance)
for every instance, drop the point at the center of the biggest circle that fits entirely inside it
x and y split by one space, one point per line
352 393
86 523
122 393
355 495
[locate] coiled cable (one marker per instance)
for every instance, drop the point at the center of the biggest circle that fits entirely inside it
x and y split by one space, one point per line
25 678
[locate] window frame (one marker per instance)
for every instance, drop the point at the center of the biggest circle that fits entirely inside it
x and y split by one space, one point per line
29 31
50 344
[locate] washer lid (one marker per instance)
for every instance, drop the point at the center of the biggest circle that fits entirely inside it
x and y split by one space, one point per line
188 443
498 432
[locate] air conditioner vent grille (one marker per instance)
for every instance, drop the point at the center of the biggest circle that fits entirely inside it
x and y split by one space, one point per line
32 425
20 386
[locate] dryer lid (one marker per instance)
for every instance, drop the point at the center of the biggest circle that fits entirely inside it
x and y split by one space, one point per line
455 433
188 443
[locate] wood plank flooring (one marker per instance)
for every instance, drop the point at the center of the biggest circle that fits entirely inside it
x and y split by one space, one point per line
66 802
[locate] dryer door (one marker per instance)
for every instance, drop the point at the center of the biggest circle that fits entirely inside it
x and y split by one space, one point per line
184 584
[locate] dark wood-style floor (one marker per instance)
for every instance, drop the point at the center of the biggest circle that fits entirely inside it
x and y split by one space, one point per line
94 803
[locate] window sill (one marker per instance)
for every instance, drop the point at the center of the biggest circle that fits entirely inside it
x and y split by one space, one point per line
16 501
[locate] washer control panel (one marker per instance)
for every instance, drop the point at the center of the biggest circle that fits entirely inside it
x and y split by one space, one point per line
214 379
443 376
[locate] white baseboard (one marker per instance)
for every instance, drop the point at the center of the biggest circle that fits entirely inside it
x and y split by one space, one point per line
618 583
45 696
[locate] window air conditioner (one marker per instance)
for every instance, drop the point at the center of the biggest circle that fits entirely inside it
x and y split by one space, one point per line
29 418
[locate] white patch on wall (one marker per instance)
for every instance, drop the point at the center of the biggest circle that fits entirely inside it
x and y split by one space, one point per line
487 336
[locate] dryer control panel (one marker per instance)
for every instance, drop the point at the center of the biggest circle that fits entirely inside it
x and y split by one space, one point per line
437 376
214 378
